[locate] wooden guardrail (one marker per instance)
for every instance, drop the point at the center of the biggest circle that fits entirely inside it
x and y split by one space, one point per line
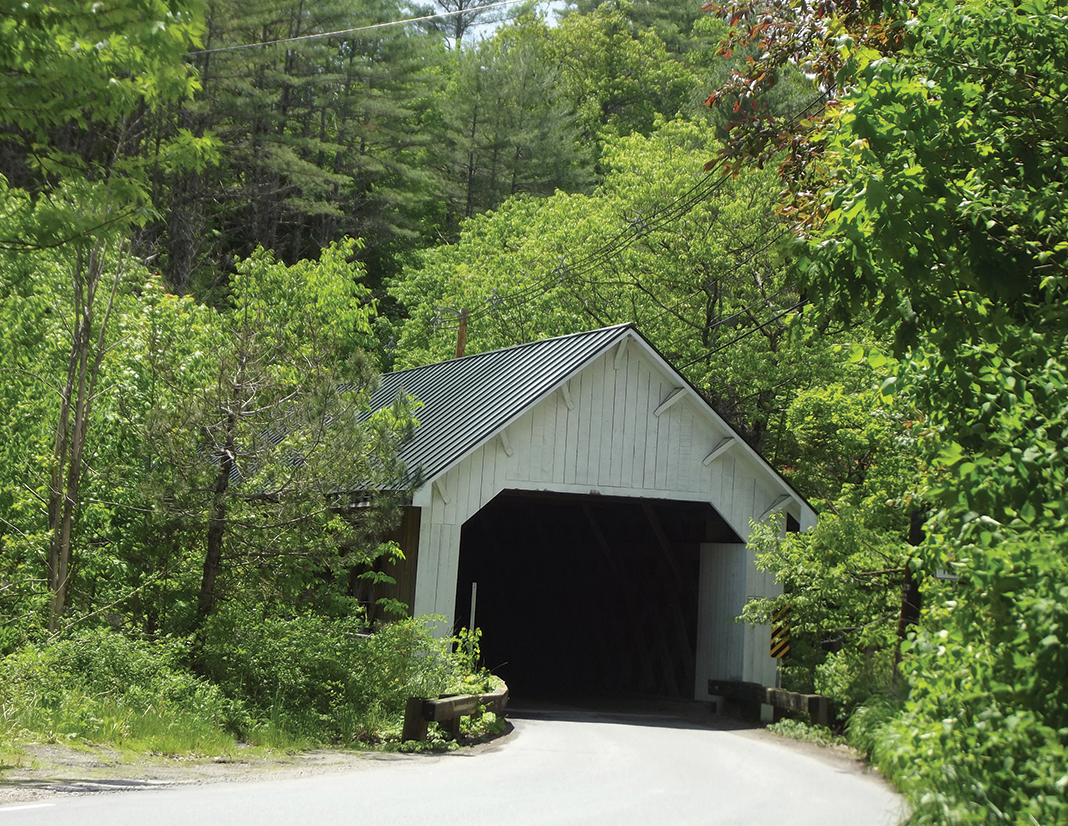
448 709
819 708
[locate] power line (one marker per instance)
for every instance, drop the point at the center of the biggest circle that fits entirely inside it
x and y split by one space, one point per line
324 35
746 334
639 227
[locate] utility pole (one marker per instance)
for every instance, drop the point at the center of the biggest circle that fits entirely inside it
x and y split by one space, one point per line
461 334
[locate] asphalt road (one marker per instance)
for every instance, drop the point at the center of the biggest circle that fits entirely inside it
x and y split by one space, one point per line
578 769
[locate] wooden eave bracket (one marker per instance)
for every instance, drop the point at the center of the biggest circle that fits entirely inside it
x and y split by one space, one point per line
441 486
621 351
776 506
721 448
665 405
506 442
565 392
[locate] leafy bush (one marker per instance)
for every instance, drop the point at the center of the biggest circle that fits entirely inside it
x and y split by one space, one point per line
842 583
866 724
98 685
274 681
799 730
321 677
984 734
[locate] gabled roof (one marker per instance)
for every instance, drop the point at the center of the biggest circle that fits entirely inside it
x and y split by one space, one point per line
467 400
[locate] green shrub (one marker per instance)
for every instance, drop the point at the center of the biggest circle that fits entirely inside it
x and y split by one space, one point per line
866 724
324 678
984 735
100 686
809 733
276 681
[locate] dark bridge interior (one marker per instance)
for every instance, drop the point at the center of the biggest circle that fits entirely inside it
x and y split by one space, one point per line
587 596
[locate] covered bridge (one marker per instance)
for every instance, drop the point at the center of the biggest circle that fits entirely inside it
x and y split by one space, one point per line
601 506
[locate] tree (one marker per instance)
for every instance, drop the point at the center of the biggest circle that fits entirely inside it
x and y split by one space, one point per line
845 582
694 261
77 84
321 138
617 74
261 444
679 26
512 130
933 194
459 17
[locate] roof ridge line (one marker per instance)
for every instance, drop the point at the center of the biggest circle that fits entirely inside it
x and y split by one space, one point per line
624 325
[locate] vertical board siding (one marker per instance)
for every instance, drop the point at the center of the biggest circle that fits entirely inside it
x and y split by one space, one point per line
584 408
721 643
641 418
632 436
674 444
725 499
521 434
450 540
743 506
652 393
573 427
767 666
611 442
619 423
434 558
596 373
754 657
686 451
658 438
602 470
560 454
537 439
489 473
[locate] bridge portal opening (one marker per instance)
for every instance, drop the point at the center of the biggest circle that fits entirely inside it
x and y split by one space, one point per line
587 596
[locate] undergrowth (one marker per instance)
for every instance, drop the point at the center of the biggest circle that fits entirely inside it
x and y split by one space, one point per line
278 683
810 733
98 686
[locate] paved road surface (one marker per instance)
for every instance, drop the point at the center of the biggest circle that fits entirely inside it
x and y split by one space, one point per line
589 769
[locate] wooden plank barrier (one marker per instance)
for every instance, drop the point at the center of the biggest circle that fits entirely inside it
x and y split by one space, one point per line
816 706
448 709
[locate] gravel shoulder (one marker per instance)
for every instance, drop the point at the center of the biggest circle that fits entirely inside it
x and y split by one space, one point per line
46 770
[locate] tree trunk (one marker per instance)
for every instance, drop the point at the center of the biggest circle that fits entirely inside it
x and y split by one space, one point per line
911 598
217 526
73 425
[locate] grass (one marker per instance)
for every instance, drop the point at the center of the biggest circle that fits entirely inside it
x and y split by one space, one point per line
271 691
158 729
806 732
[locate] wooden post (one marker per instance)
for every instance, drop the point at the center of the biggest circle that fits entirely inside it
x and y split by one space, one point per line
419 711
461 334
414 723
819 710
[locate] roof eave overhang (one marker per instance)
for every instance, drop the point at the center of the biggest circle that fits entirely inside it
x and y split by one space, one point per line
629 336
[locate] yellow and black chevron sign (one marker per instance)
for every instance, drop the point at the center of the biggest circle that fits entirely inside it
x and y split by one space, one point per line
780 633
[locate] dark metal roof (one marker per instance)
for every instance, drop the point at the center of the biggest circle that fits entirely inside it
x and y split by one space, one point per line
466 400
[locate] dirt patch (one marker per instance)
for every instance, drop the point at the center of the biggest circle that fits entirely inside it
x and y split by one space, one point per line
47 770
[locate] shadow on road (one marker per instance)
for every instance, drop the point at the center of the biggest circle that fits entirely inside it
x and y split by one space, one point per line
81 785
641 711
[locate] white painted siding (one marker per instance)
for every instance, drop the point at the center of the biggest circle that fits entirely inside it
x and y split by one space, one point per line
726 649
720 640
610 442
